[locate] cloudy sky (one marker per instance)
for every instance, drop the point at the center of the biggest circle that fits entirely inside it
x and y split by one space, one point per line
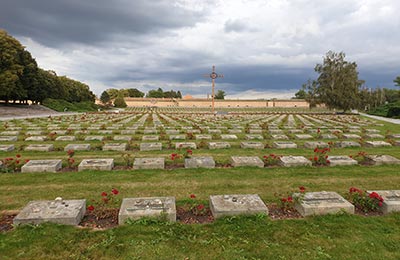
264 48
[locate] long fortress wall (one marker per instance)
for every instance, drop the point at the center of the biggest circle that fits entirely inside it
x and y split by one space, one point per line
225 103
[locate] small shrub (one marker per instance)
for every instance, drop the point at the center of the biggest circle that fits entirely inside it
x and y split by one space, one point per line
364 201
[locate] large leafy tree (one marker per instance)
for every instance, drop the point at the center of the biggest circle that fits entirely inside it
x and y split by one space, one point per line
397 81
220 94
311 93
134 92
105 97
338 85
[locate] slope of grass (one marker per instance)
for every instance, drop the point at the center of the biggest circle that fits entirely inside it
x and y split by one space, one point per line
60 105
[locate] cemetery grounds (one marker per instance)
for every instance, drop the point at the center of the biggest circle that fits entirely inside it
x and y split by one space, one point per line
260 236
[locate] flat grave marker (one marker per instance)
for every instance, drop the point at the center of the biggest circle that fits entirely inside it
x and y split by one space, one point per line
239 161
96 164
149 163
200 162
42 166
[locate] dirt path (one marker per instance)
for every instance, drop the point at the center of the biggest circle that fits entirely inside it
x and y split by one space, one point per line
11 112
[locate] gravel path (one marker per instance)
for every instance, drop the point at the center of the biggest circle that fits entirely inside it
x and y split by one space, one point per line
24 111
390 120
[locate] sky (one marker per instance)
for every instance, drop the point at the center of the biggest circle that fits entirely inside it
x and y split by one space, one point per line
264 48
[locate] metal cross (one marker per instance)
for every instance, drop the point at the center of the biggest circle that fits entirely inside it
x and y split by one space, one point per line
213 76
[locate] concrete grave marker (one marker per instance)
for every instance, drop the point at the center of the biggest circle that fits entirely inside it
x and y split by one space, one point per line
251 145
345 144
66 138
377 144
316 144
42 166
40 147
96 164
254 137
383 159
136 208
391 200
122 138
94 138
177 137
77 147
185 145
150 138
218 145
7 148
294 161
150 147
149 163
284 145
240 204
203 137
322 203
36 138
115 147
229 137
66 212
303 136
8 138
341 160
200 162
239 161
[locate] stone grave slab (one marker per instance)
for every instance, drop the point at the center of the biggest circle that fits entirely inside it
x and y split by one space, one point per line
185 145
128 132
177 137
122 138
376 144
316 144
383 159
34 133
136 208
203 137
150 138
351 136
295 131
149 131
96 164
294 161
391 200
277 131
115 147
322 203
372 131
94 138
59 132
9 133
229 137
218 145
214 131
279 137
7 148
105 132
341 160
237 131
149 163
255 131
66 212
172 132
239 204
328 136
193 131
200 162
36 138
40 147
394 136
8 138
150 147
253 137
42 166
397 143
77 147
345 144
303 136
66 138
374 136
251 145
239 161
284 145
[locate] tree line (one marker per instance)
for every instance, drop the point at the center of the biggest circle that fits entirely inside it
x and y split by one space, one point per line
338 86
21 79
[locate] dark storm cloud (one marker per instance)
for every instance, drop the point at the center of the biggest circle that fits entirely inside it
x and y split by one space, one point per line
53 23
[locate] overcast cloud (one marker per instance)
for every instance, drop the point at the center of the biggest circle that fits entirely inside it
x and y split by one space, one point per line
264 48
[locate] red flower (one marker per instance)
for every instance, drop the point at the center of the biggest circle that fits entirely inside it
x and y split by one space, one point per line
200 207
18 156
315 158
90 208
17 161
284 200
189 151
380 204
115 191
302 189
351 156
104 194
316 150
27 160
192 196
290 199
105 199
328 162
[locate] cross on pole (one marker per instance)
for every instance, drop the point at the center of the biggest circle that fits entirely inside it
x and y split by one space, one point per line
213 76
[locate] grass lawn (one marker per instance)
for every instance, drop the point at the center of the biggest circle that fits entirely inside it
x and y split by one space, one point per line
338 236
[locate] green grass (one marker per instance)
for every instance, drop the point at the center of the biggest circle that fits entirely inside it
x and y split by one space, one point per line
257 237
60 105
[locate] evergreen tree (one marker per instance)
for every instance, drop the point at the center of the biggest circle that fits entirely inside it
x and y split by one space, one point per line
220 94
105 98
120 102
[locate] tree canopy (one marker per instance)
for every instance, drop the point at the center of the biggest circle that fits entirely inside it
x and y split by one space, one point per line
220 94
21 78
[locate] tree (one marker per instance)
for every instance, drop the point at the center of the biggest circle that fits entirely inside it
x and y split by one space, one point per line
159 93
105 98
220 94
133 92
178 94
120 102
301 94
397 81
311 93
338 85
113 92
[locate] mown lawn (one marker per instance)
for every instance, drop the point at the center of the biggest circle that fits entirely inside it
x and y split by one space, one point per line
257 237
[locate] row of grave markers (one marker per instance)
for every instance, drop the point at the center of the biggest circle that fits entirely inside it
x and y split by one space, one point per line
71 212
200 162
